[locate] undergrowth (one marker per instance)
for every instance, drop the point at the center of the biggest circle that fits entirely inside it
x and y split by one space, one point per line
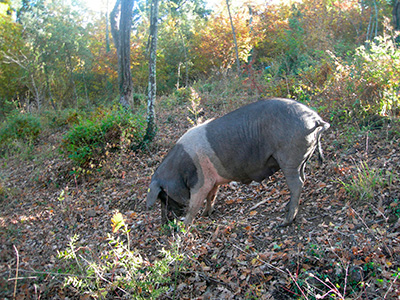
106 130
364 185
20 127
118 271
331 272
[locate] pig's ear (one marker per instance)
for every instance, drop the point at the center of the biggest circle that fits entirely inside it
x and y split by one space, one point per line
152 194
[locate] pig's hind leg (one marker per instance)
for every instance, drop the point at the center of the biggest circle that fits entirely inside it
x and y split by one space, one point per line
294 180
210 201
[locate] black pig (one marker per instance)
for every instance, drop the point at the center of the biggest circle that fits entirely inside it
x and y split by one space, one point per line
248 144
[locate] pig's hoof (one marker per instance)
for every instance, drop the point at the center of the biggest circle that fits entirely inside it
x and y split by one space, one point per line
285 224
208 212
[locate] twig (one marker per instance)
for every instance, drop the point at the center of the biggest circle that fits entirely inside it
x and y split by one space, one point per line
16 273
331 288
298 286
48 273
362 220
390 287
76 183
345 280
260 203
103 278
16 278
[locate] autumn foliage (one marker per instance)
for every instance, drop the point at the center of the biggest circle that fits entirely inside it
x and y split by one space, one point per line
75 172
278 39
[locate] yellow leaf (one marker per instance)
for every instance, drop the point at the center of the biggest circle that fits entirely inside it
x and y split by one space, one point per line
117 221
252 213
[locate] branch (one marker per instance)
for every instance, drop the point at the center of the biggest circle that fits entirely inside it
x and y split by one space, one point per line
16 273
12 59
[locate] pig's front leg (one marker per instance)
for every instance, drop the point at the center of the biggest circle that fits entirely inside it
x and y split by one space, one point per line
164 213
195 203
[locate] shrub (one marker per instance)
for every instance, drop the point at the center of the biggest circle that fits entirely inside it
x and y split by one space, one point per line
18 126
57 119
182 95
382 76
2 191
364 185
369 83
118 270
88 142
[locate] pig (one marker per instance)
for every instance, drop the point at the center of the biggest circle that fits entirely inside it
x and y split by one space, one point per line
248 144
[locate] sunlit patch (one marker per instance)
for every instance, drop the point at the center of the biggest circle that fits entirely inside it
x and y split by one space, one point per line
38 216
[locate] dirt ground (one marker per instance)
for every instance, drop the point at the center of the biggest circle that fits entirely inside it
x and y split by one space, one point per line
239 252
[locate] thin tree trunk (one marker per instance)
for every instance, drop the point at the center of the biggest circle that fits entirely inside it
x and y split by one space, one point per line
186 59
107 31
71 76
114 16
179 75
48 88
38 96
151 128
367 40
396 15
360 26
234 38
121 34
376 19
396 18
186 66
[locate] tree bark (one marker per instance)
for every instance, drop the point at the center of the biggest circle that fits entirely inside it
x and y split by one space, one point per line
234 38
121 33
396 15
107 31
186 61
151 128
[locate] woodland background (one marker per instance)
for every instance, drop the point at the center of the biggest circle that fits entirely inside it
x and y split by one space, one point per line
75 165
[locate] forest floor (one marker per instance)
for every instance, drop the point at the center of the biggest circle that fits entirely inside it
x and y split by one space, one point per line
344 243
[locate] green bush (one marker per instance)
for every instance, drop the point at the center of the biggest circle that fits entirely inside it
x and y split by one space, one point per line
379 68
56 119
25 127
119 270
369 83
88 142
2 191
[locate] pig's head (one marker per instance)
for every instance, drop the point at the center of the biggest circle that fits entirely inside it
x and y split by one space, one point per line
170 208
171 183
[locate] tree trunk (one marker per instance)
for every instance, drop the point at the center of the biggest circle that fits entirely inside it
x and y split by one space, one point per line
114 15
151 128
234 38
396 15
107 32
48 88
121 34
186 61
71 75
376 19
